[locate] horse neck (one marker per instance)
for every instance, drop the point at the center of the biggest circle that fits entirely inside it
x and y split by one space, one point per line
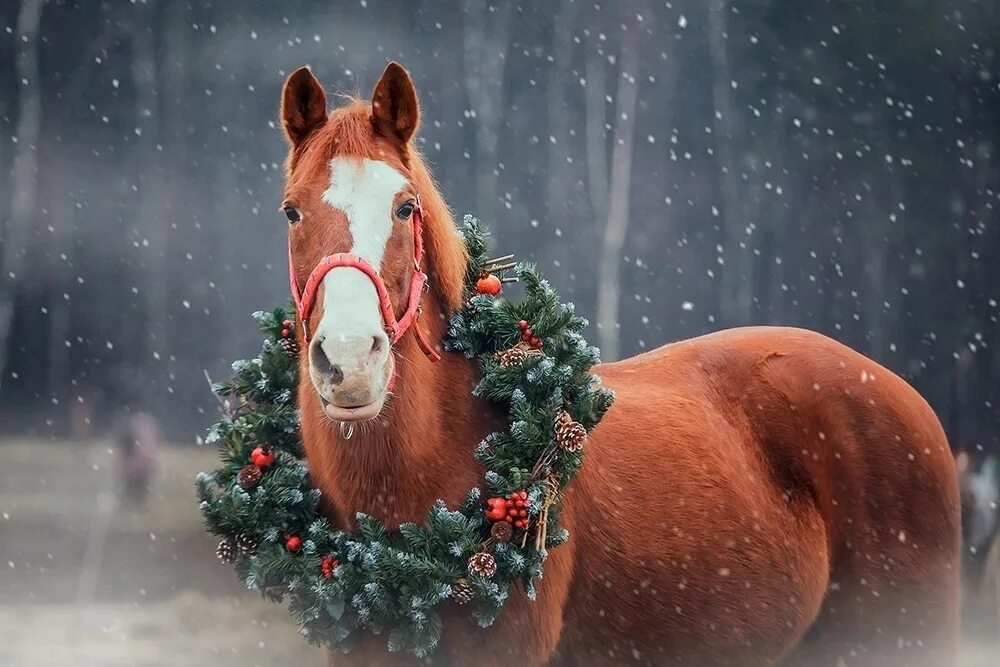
419 450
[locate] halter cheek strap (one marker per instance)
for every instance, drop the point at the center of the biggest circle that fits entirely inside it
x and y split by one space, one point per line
305 300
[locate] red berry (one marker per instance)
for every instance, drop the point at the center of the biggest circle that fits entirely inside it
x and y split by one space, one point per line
519 503
489 284
522 512
523 495
523 324
327 565
528 333
287 324
293 542
509 519
262 457
284 333
497 508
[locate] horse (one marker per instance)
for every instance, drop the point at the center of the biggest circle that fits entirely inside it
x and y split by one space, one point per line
756 496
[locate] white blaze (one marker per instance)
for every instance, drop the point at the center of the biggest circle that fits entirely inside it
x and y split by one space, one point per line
364 191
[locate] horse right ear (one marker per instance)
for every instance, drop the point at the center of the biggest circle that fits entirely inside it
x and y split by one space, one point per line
303 105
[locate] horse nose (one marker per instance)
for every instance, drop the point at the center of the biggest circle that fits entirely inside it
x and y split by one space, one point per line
336 357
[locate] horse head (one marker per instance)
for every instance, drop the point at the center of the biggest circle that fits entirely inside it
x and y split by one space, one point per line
359 203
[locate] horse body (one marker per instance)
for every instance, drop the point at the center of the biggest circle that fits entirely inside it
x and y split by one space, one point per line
763 482
754 497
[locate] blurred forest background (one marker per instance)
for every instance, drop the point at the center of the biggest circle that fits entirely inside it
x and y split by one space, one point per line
675 167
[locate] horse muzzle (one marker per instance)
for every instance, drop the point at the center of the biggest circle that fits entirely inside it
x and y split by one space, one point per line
351 374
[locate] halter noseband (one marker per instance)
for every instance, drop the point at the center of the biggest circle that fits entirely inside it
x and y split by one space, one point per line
305 300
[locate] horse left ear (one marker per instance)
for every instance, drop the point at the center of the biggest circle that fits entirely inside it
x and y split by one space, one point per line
395 112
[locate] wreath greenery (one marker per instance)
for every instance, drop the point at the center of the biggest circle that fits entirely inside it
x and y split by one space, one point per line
534 362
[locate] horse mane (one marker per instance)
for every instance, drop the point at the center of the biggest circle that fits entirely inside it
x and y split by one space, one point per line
348 131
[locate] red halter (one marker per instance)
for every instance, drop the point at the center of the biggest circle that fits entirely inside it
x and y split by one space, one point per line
306 299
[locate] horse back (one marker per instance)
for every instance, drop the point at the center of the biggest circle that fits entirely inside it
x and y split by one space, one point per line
828 422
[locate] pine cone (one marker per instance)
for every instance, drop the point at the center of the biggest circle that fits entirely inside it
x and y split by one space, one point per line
246 544
483 563
570 435
501 531
226 552
290 346
516 355
249 477
461 591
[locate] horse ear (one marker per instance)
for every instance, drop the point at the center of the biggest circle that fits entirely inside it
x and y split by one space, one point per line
303 105
395 111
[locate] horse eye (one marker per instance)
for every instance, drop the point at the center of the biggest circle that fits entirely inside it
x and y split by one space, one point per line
292 213
405 211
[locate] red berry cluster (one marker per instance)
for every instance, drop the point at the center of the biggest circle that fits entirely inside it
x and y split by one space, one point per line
293 542
262 457
513 509
327 565
528 336
518 509
286 328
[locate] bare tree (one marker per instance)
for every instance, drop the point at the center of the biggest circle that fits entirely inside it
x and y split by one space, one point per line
736 285
558 183
485 39
152 177
24 184
609 260
596 131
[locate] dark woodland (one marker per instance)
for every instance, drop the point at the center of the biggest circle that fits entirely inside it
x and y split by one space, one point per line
673 167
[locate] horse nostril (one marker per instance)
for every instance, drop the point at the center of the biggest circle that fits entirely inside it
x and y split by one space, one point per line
322 363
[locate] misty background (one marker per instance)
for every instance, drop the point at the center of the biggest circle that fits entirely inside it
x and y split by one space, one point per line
674 167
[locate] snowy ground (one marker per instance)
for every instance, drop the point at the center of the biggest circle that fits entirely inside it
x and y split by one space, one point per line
86 584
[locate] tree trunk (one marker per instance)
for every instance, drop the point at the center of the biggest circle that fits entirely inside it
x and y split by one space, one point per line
152 173
24 183
58 282
557 197
735 282
597 141
485 39
609 262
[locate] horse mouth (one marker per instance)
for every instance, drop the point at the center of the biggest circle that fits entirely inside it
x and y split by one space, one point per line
353 413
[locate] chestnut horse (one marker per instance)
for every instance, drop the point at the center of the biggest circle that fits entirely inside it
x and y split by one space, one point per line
755 496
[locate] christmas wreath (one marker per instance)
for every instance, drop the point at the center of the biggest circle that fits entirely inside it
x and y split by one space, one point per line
534 362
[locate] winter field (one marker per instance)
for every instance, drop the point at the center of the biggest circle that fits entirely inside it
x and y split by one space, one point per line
88 584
